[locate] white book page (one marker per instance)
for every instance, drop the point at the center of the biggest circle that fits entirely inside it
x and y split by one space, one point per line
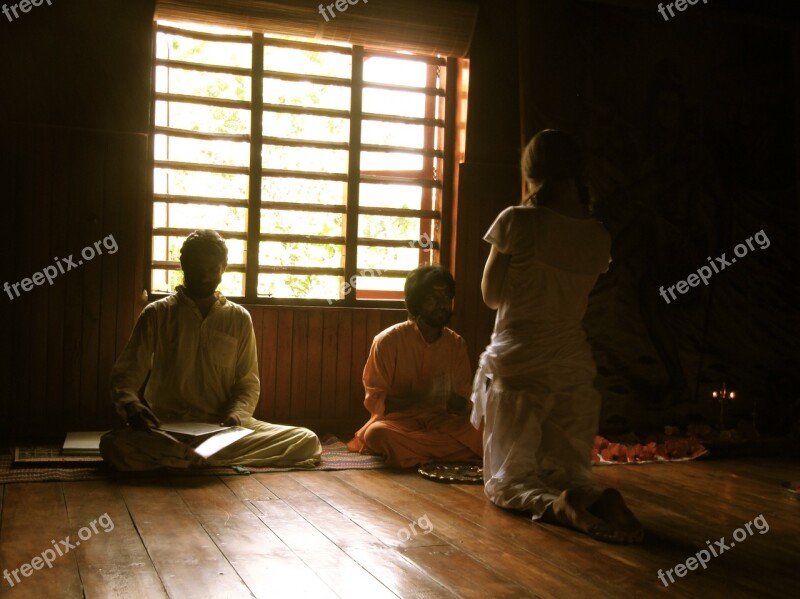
220 441
195 429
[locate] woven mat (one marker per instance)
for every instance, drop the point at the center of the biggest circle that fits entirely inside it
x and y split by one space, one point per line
334 457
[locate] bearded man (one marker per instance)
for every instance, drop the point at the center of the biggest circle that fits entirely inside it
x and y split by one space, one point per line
418 380
199 349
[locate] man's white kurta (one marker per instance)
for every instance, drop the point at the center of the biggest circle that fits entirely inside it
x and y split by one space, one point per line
202 369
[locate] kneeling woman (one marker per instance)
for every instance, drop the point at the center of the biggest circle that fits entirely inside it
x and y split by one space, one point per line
534 387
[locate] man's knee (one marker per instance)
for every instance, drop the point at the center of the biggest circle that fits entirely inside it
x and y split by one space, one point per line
117 444
301 443
378 436
309 440
110 442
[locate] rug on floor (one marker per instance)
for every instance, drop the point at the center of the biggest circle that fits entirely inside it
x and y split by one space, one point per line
334 457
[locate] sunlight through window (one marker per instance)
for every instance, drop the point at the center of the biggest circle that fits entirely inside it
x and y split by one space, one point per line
350 173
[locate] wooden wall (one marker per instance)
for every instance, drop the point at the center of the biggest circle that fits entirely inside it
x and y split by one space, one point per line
70 188
311 363
74 114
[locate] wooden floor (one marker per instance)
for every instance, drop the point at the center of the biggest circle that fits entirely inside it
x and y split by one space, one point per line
337 534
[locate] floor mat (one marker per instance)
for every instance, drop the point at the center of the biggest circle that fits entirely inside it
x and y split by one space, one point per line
334 457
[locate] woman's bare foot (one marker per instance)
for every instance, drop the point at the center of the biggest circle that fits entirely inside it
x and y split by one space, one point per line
605 518
570 510
610 507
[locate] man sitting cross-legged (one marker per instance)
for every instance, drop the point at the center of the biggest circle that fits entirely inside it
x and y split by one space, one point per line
417 379
200 350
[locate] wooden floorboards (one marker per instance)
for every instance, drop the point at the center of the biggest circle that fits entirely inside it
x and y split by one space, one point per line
338 534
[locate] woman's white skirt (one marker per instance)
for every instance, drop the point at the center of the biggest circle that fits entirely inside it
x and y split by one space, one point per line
534 390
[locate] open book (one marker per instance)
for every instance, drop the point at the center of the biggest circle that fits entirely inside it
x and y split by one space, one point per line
204 438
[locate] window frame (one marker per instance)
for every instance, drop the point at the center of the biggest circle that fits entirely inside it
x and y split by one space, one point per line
446 94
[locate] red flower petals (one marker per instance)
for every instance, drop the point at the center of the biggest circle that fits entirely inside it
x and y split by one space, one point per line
672 449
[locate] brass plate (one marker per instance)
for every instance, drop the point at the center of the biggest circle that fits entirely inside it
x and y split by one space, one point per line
453 472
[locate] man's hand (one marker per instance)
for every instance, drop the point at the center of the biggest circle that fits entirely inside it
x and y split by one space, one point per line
140 417
232 420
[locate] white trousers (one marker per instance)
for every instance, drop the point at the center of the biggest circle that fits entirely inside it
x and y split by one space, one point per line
541 415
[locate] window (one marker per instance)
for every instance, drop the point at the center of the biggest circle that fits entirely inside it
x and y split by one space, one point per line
325 166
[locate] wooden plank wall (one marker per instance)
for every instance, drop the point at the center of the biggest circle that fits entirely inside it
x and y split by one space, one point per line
66 189
311 362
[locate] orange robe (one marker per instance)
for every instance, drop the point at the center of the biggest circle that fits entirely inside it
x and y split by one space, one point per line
402 364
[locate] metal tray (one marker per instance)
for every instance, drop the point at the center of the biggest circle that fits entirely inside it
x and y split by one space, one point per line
453 472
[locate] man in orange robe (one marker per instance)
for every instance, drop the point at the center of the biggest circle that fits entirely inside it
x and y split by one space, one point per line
418 380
